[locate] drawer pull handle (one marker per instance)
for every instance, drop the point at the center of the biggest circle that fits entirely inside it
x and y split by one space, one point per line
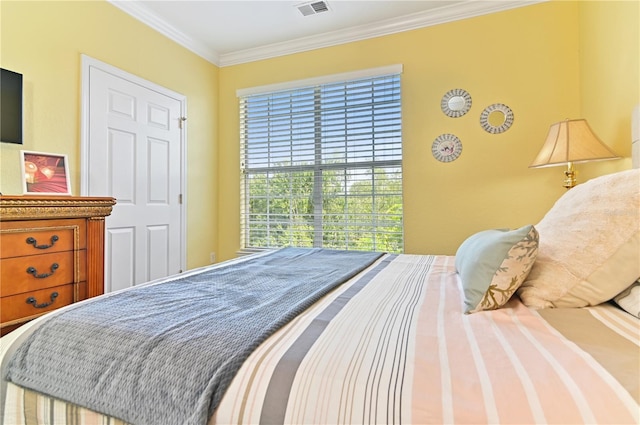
34 272
33 301
32 241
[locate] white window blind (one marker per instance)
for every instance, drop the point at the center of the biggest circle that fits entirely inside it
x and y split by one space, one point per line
322 166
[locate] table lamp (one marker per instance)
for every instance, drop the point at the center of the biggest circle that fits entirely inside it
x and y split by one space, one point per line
569 142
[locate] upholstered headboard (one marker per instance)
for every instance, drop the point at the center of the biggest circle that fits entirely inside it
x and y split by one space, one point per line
635 137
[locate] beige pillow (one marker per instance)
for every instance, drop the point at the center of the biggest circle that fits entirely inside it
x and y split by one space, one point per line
589 247
629 299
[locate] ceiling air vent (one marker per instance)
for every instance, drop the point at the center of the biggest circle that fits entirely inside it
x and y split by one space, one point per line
313 8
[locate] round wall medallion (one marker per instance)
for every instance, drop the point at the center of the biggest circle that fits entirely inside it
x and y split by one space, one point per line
496 118
455 103
446 148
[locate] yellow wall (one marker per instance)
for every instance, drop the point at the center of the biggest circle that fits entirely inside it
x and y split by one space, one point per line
526 58
610 75
548 62
44 41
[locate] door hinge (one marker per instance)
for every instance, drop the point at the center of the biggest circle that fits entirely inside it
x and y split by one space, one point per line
181 120
180 199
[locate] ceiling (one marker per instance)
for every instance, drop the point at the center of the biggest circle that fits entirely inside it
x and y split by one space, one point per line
229 32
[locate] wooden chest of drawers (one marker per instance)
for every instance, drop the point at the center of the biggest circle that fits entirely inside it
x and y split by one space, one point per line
51 254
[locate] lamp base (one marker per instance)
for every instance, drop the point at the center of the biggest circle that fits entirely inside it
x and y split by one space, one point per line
569 176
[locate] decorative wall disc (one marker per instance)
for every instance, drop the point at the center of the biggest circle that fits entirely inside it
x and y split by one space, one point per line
455 103
496 118
446 148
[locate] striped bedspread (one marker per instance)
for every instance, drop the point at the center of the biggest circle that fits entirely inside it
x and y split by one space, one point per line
394 348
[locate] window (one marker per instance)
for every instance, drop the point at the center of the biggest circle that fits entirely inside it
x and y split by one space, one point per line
322 166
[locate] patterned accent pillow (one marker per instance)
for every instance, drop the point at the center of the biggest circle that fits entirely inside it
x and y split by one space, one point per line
493 264
629 299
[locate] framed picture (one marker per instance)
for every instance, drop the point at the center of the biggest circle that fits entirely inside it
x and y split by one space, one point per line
45 173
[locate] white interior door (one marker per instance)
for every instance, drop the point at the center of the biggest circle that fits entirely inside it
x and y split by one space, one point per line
134 152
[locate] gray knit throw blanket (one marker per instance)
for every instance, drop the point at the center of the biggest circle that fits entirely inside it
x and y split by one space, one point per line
165 354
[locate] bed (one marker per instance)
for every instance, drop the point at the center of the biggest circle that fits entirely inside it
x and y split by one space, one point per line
538 324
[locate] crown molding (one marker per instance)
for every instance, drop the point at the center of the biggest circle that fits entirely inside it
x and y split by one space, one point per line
440 15
141 13
413 21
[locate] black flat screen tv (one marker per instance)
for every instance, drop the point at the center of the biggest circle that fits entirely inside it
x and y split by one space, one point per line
10 106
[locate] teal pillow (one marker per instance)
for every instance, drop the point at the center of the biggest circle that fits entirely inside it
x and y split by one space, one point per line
492 265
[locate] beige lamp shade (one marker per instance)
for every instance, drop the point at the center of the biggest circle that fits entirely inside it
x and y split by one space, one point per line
571 141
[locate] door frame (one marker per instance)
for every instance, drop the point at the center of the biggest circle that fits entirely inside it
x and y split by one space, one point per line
88 63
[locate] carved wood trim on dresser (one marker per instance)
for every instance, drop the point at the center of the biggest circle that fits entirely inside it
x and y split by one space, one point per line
51 254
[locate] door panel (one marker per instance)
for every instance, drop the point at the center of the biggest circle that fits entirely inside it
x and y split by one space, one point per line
158 162
120 267
120 166
158 251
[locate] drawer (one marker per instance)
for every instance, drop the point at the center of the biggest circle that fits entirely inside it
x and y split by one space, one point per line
26 306
24 274
16 242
